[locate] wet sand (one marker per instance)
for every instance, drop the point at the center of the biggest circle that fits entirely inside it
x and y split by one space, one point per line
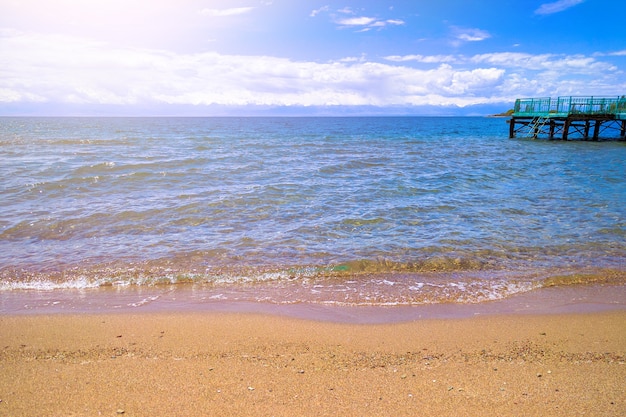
238 364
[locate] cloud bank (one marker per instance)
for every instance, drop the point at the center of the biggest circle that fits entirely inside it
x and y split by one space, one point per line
68 70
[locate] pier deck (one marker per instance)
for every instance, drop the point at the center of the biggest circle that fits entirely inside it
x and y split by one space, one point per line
588 118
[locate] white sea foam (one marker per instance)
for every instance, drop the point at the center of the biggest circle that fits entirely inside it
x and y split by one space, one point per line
145 301
47 285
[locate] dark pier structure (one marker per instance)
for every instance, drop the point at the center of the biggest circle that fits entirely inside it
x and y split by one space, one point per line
566 118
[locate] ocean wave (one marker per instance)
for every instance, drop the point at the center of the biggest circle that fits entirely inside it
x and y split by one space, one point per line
343 284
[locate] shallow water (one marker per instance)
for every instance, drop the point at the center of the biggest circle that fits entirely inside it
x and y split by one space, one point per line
344 211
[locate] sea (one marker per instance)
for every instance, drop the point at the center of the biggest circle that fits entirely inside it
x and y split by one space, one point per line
388 213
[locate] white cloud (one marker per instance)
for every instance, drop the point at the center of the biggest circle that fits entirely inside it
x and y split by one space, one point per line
357 21
557 6
363 23
573 64
318 11
367 23
470 34
68 70
553 74
226 12
63 69
383 23
535 75
354 59
427 59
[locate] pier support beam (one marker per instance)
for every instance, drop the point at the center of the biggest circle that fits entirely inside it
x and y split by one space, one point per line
512 128
596 129
566 128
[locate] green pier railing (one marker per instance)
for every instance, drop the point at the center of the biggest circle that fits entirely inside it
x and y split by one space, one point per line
570 106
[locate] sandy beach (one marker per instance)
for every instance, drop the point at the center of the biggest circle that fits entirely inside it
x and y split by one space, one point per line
199 364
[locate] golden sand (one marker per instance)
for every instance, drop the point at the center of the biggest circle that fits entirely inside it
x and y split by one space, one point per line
213 364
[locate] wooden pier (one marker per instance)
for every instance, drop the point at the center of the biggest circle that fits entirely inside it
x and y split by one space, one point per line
566 118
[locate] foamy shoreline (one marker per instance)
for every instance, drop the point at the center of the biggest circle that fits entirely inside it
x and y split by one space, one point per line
190 299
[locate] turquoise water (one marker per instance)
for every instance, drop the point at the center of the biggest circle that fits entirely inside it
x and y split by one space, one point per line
377 211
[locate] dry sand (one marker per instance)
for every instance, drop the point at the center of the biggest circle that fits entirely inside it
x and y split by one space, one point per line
202 364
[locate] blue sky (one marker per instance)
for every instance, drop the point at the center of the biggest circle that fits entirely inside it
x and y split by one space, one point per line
218 57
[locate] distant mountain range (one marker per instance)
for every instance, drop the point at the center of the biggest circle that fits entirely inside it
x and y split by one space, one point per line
55 110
